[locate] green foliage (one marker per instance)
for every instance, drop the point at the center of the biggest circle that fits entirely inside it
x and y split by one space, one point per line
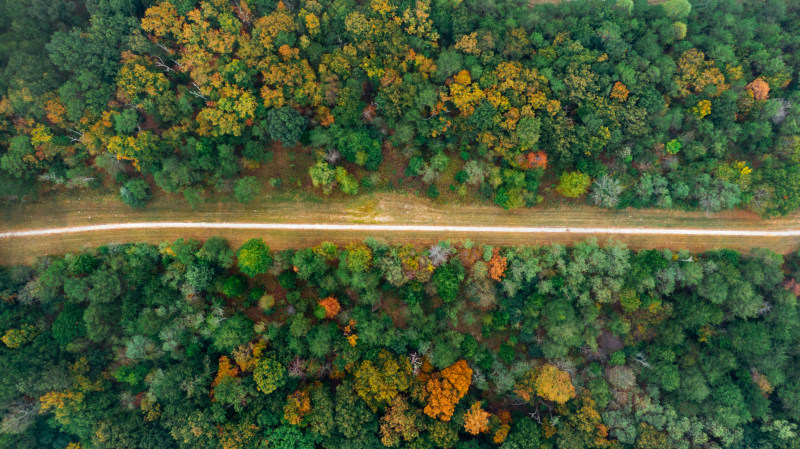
784 180
234 286
232 333
673 146
447 279
246 189
69 324
290 437
692 337
135 193
216 251
253 257
131 376
285 125
269 375
617 358
573 184
677 9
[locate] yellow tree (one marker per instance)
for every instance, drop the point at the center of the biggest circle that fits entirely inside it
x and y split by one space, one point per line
554 384
237 435
162 20
547 382
67 403
582 426
696 74
702 109
418 23
378 383
298 405
400 423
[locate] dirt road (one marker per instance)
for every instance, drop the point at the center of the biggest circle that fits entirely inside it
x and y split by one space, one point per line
294 222
370 228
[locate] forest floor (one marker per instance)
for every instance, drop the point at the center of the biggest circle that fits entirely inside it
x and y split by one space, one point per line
380 208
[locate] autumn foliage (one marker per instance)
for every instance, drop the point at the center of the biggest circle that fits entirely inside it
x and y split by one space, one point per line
298 404
378 383
548 382
446 390
698 73
350 332
759 88
226 369
583 425
533 160
793 286
62 403
476 420
400 422
497 266
619 92
14 338
554 384
331 306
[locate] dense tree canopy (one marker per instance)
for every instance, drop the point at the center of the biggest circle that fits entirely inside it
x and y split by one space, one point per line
464 98
573 347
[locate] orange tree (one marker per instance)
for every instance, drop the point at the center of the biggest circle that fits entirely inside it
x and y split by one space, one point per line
476 420
444 391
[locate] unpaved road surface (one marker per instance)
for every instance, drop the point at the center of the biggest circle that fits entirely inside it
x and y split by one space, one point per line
398 228
71 223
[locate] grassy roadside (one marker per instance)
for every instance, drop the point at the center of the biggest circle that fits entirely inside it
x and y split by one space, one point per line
85 209
395 208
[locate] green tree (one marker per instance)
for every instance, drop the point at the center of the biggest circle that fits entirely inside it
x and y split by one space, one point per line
677 9
199 276
354 420
524 434
573 184
253 257
447 278
784 181
286 125
322 174
246 189
19 160
135 193
69 324
234 286
217 251
290 437
232 333
269 375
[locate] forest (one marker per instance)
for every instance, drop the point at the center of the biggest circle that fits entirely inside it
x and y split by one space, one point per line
455 345
681 104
